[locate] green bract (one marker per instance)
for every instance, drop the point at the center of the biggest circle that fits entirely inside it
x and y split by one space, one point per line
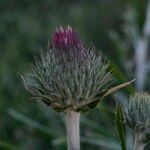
75 86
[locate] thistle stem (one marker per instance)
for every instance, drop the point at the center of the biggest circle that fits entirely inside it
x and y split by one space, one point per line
138 144
73 131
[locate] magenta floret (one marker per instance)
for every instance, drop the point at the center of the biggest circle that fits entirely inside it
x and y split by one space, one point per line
66 38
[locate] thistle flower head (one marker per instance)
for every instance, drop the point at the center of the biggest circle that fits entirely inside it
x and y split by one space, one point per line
137 111
69 76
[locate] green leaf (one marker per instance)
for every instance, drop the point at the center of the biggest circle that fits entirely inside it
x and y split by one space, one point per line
120 126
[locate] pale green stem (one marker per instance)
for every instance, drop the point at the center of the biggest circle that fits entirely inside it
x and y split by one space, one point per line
138 143
73 130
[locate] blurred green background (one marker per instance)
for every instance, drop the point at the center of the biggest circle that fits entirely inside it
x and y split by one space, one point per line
25 28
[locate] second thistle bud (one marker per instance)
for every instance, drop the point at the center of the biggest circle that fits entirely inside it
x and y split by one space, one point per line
137 111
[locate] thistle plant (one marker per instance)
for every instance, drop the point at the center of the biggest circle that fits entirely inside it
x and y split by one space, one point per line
71 79
137 116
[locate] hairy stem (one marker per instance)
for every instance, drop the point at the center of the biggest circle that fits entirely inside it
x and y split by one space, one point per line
138 144
73 131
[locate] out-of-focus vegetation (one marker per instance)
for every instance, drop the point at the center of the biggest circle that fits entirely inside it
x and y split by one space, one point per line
25 27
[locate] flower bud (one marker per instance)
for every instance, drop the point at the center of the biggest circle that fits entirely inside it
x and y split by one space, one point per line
137 111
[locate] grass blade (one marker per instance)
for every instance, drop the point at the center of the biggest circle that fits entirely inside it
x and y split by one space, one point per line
120 127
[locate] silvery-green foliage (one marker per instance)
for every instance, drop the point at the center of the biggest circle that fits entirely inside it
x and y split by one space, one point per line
137 112
63 85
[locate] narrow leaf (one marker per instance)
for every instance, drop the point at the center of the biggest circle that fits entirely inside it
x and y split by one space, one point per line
118 87
120 126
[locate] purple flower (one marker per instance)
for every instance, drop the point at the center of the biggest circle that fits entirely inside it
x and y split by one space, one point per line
67 46
66 38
